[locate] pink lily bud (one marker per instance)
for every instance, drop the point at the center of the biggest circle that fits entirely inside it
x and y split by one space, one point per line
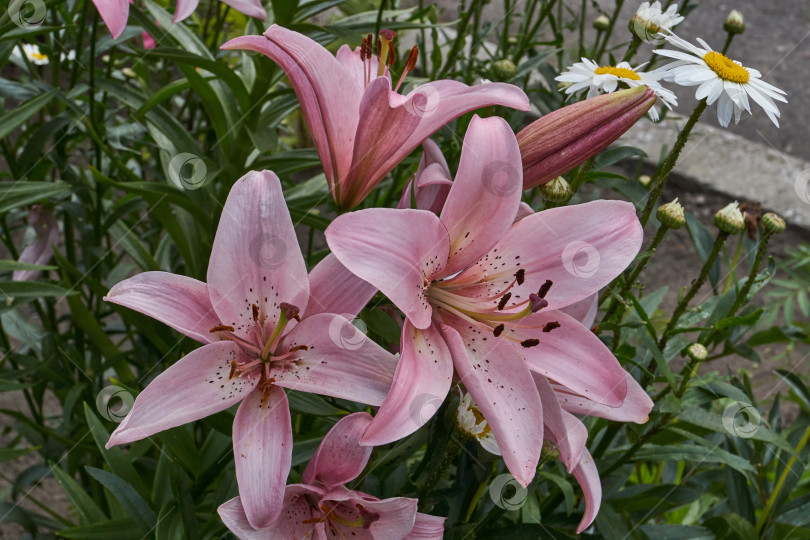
41 249
561 140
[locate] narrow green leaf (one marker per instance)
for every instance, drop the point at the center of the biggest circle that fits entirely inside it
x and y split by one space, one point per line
88 510
16 116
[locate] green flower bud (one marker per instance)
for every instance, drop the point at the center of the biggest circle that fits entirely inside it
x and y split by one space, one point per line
556 190
730 220
504 69
697 352
671 215
773 223
644 180
735 24
550 452
602 22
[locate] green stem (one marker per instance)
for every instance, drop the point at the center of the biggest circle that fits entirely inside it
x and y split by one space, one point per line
734 261
669 163
727 44
763 518
704 273
579 179
632 48
746 288
609 30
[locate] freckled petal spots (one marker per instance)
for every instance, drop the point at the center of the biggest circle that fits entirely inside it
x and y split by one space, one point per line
262 451
421 383
338 361
333 289
503 389
489 182
256 258
397 251
195 387
290 524
177 301
340 458
573 356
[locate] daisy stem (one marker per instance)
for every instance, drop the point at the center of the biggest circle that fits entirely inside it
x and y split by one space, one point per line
579 179
632 48
609 31
727 44
763 518
734 262
746 288
663 174
704 273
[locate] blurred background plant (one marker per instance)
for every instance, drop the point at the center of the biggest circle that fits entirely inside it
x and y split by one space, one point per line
124 154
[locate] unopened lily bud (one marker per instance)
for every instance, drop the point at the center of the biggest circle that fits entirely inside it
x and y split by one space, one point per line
644 180
558 190
730 220
697 352
559 141
671 215
602 22
735 24
773 223
504 69
550 451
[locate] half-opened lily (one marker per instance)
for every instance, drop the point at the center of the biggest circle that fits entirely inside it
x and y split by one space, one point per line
40 250
322 507
430 185
562 139
361 126
255 342
115 13
483 295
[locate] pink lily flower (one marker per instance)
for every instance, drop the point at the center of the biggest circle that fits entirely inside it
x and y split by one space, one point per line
361 126
115 13
40 250
322 507
484 296
431 183
255 342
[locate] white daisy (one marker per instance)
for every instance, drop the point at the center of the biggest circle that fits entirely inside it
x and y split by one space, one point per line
32 53
649 21
720 79
606 79
471 421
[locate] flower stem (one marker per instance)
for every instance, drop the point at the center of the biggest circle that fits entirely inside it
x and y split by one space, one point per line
763 518
746 288
609 30
704 273
727 44
579 179
734 261
632 48
669 163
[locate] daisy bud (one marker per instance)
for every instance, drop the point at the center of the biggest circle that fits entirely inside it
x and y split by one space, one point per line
602 22
644 180
730 220
558 190
697 352
565 138
504 69
671 215
735 24
773 223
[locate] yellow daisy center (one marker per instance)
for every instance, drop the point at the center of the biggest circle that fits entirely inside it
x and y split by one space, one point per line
39 56
624 73
725 68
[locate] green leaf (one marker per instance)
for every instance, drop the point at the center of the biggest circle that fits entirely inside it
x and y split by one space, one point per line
312 404
10 454
119 529
676 532
17 116
11 266
616 154
143 516
32 289
696 454
799 389
88 510
22 193
714 422
744 320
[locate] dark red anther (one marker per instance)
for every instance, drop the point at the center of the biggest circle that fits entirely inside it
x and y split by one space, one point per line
530 342
498 330
221 328
255 309
299 348
504 300
544 288
551 326
520 275
412 57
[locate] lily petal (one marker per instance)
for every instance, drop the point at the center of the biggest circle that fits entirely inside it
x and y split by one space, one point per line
114 13
330 356
395 517
251 8
184 10
432 181
340 458
397 251
584 311
333 289
262 448
579 248
40 250
635 408
571 355
427 527
489 182
502 387
569 436
421 382
588 477
294 521
256 258
177 301
198 385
